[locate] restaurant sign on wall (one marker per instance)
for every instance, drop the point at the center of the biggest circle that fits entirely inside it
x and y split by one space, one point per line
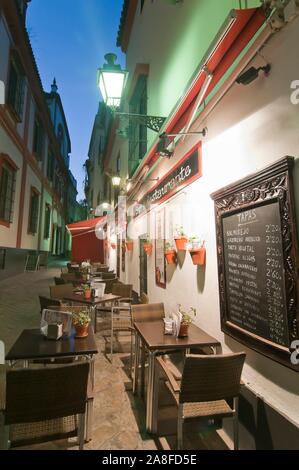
187 170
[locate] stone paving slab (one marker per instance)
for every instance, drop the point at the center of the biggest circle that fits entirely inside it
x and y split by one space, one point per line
114 422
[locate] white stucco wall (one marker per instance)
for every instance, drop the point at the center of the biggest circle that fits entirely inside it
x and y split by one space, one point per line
252 127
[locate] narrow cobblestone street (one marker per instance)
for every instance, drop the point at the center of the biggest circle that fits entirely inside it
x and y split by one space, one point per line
118 420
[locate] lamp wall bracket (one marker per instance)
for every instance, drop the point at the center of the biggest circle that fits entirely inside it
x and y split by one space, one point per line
151 122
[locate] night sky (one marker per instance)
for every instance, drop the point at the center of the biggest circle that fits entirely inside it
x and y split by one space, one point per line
70 39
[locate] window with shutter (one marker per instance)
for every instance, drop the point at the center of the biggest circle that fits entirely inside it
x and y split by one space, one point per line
38 140
138 132
16 88
33 211
8 172
47 221
50 166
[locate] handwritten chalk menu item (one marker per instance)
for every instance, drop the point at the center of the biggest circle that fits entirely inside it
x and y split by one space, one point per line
257 253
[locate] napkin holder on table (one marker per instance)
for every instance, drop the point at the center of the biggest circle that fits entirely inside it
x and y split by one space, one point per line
54 331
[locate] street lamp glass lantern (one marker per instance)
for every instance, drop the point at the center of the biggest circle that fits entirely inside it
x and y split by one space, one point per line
111 81
116 180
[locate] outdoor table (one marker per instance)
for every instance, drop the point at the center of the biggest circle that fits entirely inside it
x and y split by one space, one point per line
151 334
93 302
32 345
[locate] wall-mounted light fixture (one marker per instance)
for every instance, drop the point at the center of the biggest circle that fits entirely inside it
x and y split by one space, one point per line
116 181
111 81
252 74
166 146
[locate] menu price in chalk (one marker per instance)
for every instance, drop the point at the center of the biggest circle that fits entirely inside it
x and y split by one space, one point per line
254 272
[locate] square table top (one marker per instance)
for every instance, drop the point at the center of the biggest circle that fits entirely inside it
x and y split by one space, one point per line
93 300
31 344
152 334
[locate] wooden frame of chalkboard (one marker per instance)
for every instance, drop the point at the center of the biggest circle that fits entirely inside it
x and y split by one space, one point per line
258 261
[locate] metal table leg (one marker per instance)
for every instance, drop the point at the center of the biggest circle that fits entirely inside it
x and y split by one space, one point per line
150 386
93 315
155 397
136 363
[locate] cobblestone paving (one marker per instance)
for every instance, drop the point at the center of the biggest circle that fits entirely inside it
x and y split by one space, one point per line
118 418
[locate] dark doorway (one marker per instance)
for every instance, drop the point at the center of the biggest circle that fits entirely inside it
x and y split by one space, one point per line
142 266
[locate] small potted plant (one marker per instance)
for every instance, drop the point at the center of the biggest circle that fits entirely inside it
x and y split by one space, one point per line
86 291
187 319
180 238
129 244
170 253
81 322
148 246
85 270
198 252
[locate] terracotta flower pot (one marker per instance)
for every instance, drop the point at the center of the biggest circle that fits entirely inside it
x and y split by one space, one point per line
148 248
198 256
181 243
170 256
129 245
113 246
81 331
87 294
184 330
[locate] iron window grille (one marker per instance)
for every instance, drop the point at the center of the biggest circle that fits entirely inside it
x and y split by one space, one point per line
138 131
16 88
7 191
47 221
38 140
33 211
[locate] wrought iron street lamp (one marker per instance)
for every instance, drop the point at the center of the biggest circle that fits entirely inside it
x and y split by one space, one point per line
111 81
116 181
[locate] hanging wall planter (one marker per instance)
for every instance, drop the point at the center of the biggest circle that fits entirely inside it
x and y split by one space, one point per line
148 248
113 246
129 245
198 256
181 243
171 256
180 238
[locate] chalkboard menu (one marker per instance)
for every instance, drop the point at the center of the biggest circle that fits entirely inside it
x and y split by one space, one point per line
257 255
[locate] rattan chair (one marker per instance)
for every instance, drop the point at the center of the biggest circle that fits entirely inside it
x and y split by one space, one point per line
144 299
107 275
148 312
46 302
43 404
121 320
59 281
59 292
144 313
118 288
208 385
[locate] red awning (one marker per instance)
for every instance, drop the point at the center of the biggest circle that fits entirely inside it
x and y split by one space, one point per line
238 30
85 226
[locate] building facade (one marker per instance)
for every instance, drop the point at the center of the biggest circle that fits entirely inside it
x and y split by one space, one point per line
186 72
37 189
